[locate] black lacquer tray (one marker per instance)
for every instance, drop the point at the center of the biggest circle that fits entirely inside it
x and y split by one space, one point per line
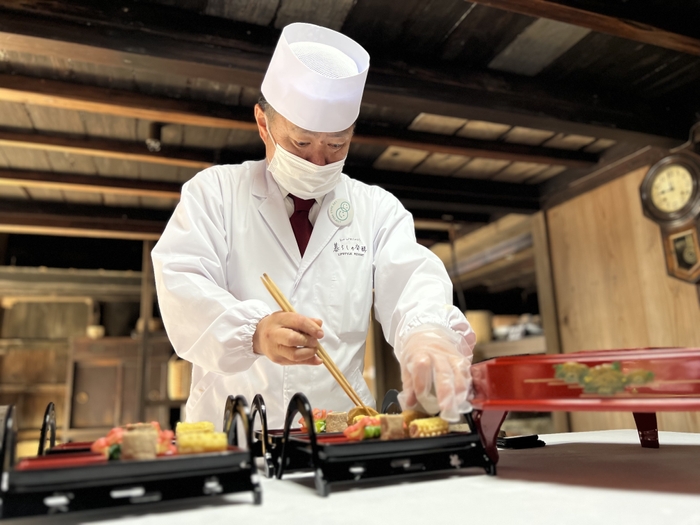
63 482
336 460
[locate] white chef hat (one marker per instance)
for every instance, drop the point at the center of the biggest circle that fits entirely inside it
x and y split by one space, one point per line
316 77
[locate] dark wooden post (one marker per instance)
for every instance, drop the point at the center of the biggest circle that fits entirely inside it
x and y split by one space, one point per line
146 316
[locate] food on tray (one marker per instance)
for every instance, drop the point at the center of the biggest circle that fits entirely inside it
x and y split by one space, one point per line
410 423
366 428
410 415
336 421
140 443
428 427
188 428
319 420
196 442
356 414
147 440
392 426
112 444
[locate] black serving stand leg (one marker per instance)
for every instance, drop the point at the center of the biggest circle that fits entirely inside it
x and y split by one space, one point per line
263 447
390 403
238 407
488 423
48 426
300 404
647 428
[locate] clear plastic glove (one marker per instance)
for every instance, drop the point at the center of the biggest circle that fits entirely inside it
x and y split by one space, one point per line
435 364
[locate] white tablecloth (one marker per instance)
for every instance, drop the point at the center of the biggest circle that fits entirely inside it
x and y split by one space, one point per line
579 478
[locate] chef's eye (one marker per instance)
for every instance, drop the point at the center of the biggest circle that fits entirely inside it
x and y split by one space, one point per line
336 146
301 144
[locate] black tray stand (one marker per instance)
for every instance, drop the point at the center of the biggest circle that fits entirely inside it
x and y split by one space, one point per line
122 483
356 462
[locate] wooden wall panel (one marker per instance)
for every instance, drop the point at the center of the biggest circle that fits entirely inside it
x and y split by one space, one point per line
612 290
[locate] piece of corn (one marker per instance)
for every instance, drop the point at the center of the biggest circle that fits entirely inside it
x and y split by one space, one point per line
429 427
201 426
196 442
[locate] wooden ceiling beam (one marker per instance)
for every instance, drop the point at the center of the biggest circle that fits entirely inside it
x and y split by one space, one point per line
453 145
612 18
158 39
73 220
93 99
425 192
113 149
90 184
78 97
448 194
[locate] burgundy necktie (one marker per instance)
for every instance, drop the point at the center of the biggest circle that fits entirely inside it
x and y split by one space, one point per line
300 221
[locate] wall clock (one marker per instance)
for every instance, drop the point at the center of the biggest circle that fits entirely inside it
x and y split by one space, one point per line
670 194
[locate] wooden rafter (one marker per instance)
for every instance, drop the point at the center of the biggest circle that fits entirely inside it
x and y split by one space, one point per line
166 41
76 97
89 184
599 17
71 220
113 149
453 195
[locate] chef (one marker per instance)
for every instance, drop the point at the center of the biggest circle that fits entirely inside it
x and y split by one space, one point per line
334 246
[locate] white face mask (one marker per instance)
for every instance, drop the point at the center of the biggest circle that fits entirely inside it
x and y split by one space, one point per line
300 177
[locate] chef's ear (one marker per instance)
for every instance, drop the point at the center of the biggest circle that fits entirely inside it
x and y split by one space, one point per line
262 123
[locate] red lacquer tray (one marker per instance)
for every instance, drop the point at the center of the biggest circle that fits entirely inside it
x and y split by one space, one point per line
641 381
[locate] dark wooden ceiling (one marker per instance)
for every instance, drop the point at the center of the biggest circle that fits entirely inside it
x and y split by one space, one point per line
472 109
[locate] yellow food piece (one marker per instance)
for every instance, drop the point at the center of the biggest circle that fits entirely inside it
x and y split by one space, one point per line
429 427
358 413
187 428
410 415
196 442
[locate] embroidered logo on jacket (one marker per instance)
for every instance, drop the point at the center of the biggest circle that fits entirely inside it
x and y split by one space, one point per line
350 246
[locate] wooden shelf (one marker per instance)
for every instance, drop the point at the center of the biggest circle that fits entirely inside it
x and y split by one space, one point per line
35 388
527 345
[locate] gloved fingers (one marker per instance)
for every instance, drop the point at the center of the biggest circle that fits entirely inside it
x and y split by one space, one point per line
421 370
425 385
462 377
445 388
407 397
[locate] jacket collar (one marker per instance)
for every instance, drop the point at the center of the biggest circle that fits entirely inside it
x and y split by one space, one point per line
274 212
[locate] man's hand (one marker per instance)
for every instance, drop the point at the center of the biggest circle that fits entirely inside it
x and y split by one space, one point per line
288 338
435 372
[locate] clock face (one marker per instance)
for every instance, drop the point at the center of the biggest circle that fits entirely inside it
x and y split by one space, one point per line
672 188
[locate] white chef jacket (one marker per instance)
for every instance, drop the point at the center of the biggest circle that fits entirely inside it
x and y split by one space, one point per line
229 228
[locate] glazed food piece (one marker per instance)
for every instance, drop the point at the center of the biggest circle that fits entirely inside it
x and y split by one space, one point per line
429 427
392 427
139 444
197 442
357 413
336 421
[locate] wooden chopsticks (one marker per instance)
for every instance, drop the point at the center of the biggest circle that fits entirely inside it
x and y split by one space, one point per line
320 351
